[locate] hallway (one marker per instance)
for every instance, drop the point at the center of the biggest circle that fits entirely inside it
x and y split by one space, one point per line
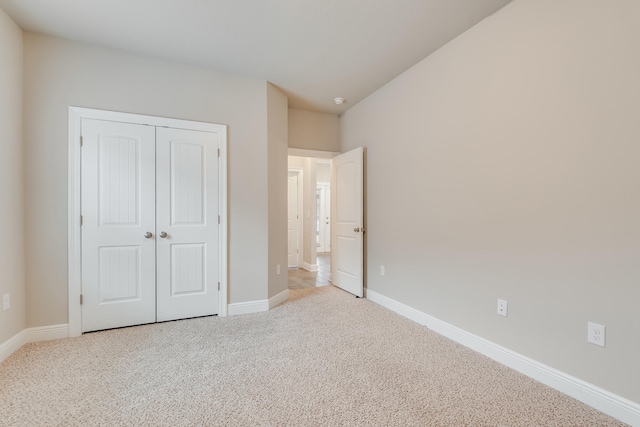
299 278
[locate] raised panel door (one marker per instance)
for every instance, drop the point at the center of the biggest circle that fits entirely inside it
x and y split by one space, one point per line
347 230
118 210
187 223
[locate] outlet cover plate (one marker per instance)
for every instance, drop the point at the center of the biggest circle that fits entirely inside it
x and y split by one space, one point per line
596 334
502 307
6 302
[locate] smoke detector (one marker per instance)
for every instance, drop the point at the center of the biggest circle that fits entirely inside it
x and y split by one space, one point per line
339 100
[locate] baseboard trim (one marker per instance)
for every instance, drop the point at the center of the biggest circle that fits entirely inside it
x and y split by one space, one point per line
611 404
12 345
47 333
310 267
29 335
248 307
278 299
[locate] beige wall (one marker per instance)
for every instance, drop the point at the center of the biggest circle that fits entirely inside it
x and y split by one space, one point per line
278 191
314 131
298 163
310 212
12 259
323 172
60 73
505 165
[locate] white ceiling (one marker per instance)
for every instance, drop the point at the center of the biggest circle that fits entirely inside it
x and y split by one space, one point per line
314 50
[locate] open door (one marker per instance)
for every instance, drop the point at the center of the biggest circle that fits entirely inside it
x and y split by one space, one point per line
347 231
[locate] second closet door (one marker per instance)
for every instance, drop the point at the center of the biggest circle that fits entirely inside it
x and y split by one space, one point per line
187 223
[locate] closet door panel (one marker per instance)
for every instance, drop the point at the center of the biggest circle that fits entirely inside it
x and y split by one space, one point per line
187 223
118 210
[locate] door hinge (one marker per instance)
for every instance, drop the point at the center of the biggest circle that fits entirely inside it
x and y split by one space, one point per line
81 299
81 141
218 286
218 152
218 219
81 220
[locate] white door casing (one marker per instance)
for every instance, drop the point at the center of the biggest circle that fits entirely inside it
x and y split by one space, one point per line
187 223
76 116
347 212
293 220
118 206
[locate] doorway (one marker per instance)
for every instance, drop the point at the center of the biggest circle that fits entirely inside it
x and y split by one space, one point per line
314 196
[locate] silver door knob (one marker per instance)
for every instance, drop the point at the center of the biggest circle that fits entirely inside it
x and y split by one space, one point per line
163 234
148 234
357 229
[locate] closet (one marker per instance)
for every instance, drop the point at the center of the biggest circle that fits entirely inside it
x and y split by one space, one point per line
150 206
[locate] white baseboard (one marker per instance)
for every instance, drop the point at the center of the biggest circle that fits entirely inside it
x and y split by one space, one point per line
47 333
43 333
258 306
248 307
278 299
310 267
12 345
616 406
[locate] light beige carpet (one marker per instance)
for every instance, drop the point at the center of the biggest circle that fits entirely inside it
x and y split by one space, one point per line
324 358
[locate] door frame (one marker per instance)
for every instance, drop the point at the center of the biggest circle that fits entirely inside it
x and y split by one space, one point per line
316 154
76 114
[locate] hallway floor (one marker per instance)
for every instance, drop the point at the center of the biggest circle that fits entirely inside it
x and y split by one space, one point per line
299 278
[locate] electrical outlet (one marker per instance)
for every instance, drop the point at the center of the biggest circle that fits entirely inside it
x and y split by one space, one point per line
6 302
382 270
502 307
595 334
278 269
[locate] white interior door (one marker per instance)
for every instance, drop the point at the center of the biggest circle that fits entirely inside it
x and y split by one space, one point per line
118 225
347 231
293 220
324 218
187 223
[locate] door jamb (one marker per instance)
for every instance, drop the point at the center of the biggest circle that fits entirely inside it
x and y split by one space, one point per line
76 114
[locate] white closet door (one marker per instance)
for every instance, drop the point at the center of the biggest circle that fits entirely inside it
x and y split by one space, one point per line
118 231
187 223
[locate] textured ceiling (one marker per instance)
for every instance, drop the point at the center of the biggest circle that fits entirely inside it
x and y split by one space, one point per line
314 50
